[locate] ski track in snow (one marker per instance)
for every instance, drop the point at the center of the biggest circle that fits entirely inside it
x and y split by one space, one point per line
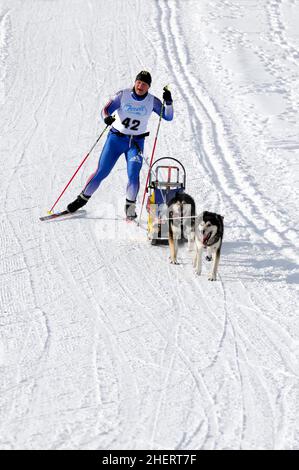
103 343
223 166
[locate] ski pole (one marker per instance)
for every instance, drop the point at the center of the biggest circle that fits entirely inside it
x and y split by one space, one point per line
83 161
152 156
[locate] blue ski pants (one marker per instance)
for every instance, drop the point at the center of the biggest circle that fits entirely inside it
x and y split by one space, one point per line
114 146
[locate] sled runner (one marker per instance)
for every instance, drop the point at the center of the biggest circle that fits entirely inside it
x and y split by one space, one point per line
167 177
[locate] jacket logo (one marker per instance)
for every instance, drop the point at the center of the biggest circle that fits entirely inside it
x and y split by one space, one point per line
136 110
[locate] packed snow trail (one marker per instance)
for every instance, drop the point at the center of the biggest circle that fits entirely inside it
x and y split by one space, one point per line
103 343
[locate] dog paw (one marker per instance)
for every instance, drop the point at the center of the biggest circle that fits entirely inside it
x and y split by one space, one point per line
198 273
174 262
212 277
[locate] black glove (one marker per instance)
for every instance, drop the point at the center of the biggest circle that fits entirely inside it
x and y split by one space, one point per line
167 96
109 120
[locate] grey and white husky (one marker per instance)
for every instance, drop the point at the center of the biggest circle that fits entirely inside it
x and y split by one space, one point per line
208 236
181 213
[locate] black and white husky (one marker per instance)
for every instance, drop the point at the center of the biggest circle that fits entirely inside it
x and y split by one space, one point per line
208 235
181 223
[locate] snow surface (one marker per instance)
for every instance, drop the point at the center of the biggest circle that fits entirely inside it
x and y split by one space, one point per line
103 343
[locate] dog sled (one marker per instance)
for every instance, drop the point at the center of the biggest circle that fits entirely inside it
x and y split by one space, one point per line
167 178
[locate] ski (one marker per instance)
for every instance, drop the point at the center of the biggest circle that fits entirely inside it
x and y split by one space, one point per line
54 216
61 214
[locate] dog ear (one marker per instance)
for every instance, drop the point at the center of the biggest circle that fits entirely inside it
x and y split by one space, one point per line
219 217
200 217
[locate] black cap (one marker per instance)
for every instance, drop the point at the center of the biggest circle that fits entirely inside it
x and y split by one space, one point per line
145 77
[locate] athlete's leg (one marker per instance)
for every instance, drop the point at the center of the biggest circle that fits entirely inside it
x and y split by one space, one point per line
112 149
134 164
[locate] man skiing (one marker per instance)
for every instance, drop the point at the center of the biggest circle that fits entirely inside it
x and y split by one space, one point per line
133 108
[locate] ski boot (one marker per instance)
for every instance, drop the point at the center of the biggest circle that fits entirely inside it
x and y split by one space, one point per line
81 200
130 210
